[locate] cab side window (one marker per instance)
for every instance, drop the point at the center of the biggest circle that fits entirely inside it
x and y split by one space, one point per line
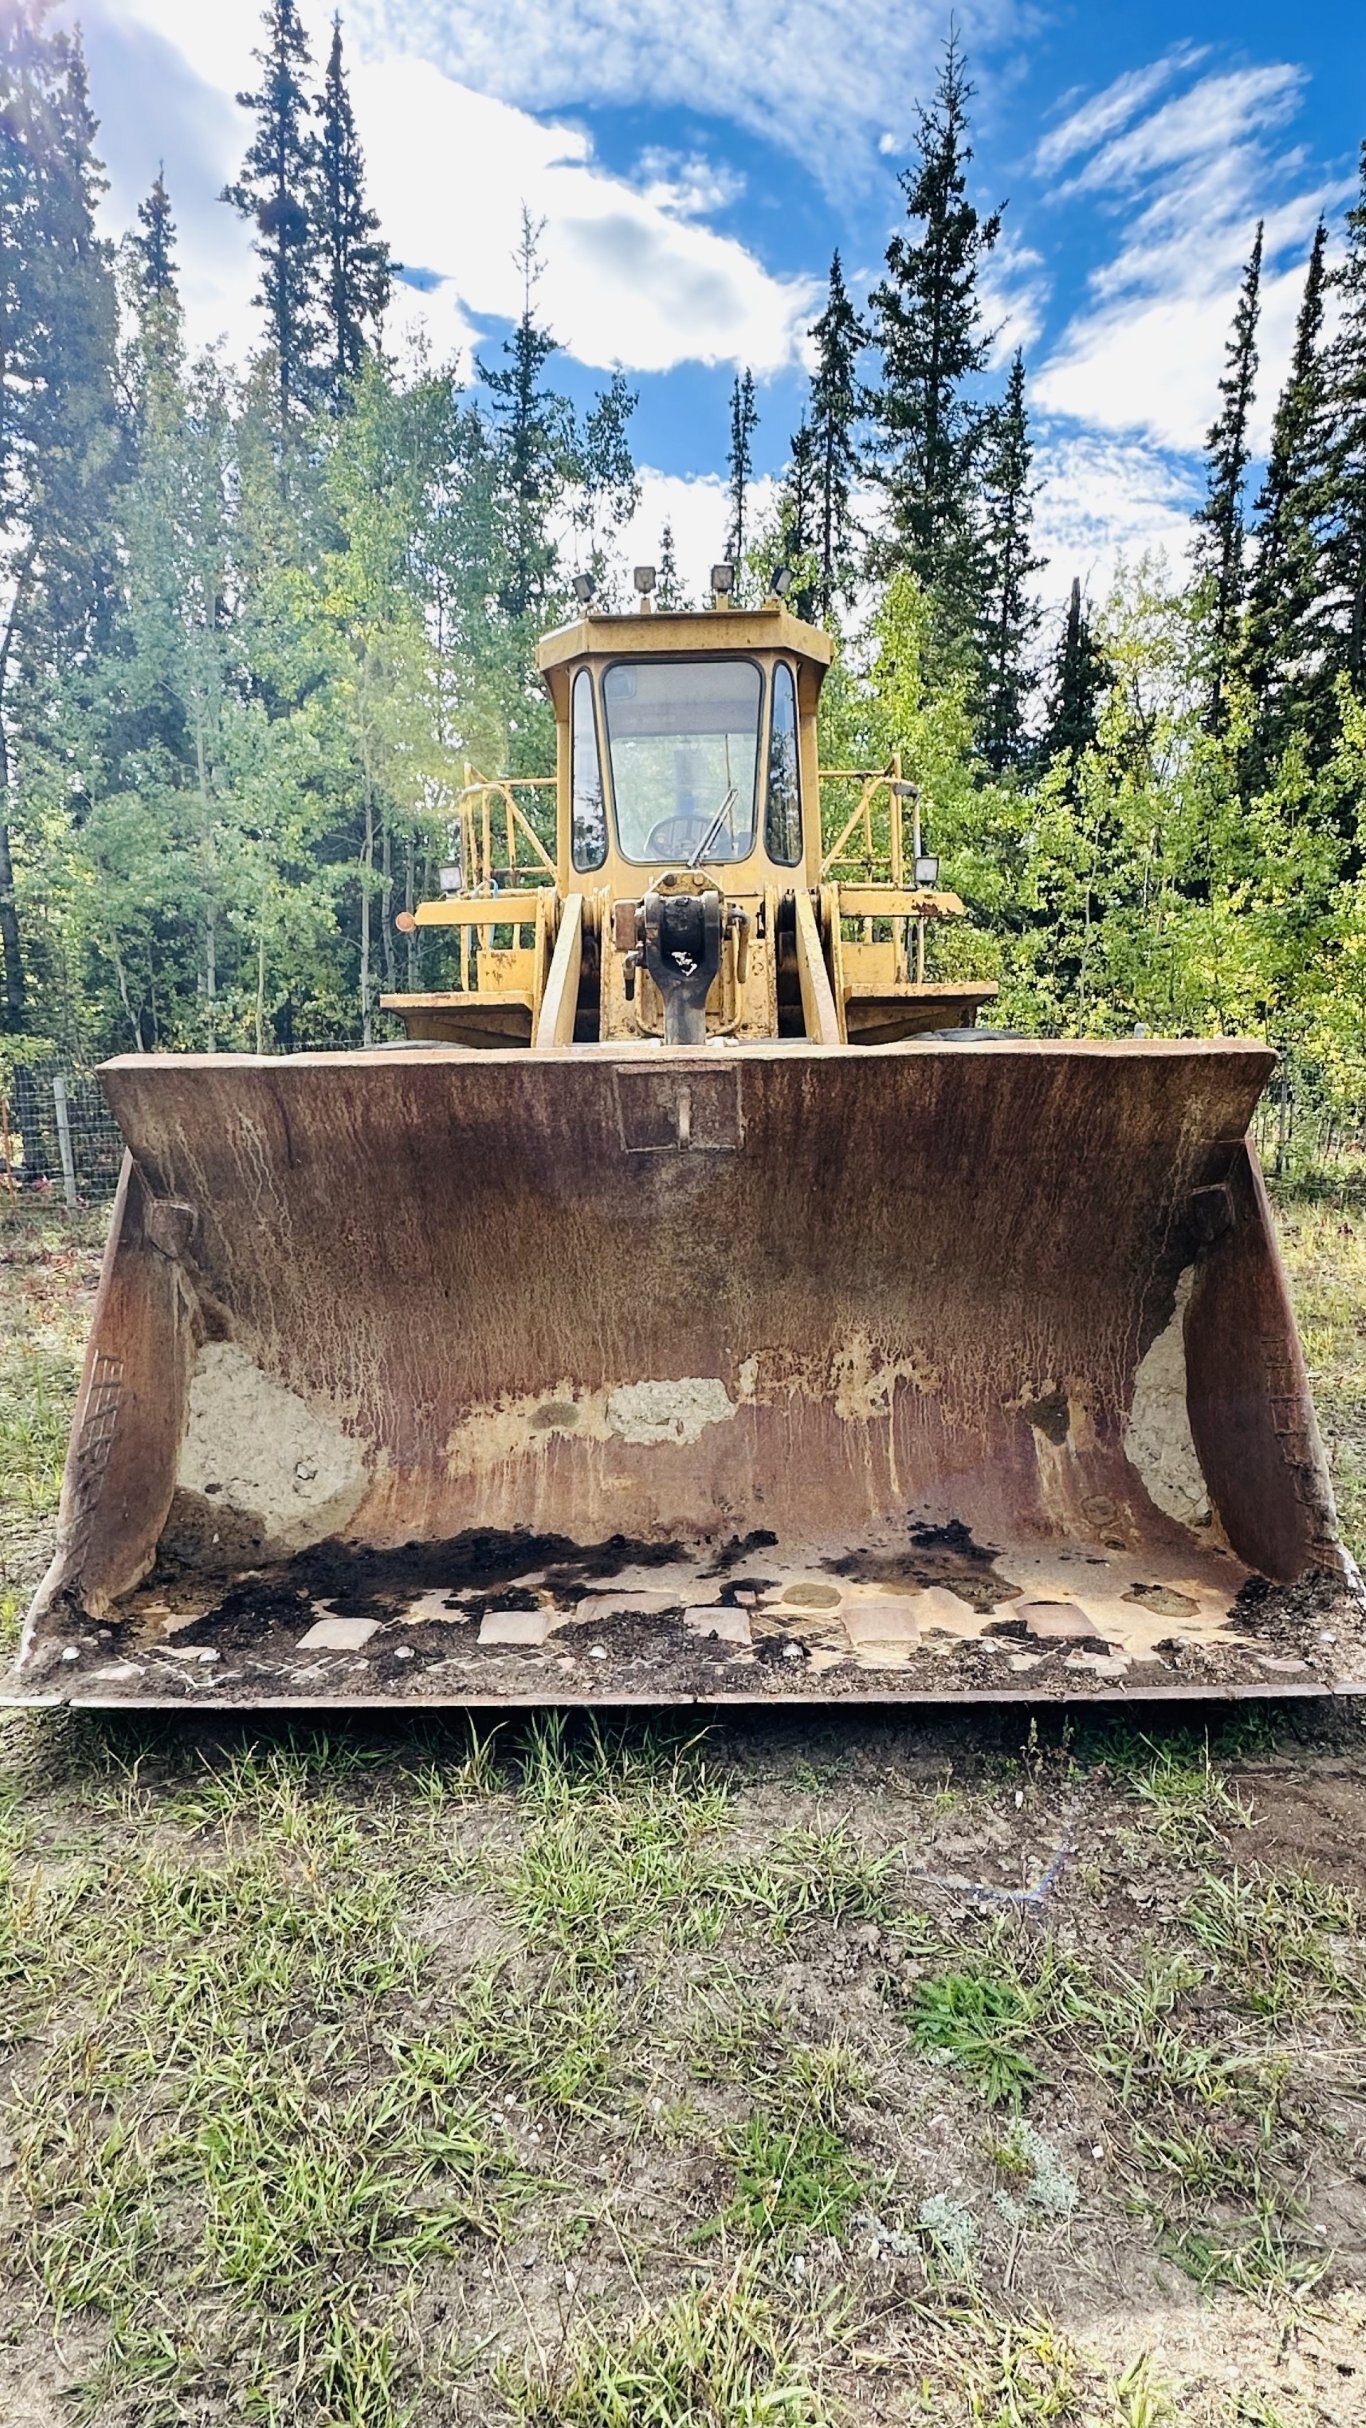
588 815
783 817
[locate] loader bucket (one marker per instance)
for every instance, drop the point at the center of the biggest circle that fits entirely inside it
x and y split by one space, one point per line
938 1371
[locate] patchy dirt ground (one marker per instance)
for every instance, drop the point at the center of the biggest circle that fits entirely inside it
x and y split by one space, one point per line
857 2069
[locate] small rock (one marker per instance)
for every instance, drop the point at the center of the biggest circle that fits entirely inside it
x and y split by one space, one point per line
515 1626
71 1652
403 1652
792 1652
338 1635
713 1619
597 1652
1055 1622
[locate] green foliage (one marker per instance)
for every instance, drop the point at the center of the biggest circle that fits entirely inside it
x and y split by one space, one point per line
792 2177
982 2023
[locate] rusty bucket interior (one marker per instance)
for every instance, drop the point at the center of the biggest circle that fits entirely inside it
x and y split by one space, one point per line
947 1370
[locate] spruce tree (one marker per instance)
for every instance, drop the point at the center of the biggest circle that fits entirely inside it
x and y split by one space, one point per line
1080 679
1219 544
744 421
933 346
154 246
356 275
600 466
534 443
278 192
669 592
157 308
1343 561
60 452
1279 654
1010 618
798 520
834 415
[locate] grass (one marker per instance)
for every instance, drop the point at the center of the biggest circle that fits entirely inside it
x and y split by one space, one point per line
354 2078
986 2025
712 2355
1325 1248
48 1264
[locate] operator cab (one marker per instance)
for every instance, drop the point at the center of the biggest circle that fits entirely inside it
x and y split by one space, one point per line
687 741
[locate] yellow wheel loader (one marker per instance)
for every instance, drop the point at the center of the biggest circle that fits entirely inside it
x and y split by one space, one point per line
700 1306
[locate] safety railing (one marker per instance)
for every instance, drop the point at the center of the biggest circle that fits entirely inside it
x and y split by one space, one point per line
870 850
871 843
487 820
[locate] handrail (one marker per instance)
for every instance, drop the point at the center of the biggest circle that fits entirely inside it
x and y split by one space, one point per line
873 781
474 815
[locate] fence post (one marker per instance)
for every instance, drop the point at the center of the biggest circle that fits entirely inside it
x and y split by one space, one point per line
64 1141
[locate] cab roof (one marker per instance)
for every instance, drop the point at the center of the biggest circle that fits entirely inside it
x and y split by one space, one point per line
671 633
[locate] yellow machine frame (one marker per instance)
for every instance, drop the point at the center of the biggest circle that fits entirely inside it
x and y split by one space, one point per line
831 949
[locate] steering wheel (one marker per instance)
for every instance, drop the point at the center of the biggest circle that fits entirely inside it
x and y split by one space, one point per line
675 837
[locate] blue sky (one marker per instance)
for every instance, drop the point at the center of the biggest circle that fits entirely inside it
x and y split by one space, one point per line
696 165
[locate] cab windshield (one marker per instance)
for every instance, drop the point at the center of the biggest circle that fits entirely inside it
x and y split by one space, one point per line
683 738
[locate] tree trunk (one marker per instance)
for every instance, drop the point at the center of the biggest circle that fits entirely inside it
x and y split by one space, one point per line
261 978
211 916
134 1023
11 941
409 900
387 906
367 862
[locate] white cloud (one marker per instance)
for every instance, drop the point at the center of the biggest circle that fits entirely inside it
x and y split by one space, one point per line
633 278
819 84
688 184
1218 114
1094 119
1014 288
629 282
1189 179
1101 499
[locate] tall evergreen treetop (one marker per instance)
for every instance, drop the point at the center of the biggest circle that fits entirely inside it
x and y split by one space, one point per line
278 191
744 421
159 356
833 417
1344 550
1219 548
1079 681
1010 617
928 326
798 515
670 594
1278 650
154 241
534 441
356 274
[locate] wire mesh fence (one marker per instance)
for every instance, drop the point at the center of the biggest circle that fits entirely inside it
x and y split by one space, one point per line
57 1133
